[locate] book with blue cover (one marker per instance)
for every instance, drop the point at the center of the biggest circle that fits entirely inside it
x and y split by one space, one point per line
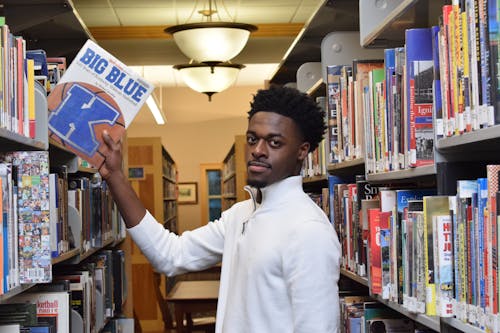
96 93
419 89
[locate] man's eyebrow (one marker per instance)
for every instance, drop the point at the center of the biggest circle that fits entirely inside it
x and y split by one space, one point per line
268 136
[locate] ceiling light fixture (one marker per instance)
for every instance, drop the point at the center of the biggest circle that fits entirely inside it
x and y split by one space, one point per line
209 79
155 110
211 42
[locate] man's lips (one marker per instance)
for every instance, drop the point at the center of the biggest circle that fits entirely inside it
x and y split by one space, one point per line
256 166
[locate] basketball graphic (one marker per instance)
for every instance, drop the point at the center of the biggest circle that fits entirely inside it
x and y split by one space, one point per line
78 114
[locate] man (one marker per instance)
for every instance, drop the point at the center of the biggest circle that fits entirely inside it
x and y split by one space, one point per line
280 254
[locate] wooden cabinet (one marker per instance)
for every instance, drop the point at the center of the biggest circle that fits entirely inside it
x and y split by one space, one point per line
234 173
153 175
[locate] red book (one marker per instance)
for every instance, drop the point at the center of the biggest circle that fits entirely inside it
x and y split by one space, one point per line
375 263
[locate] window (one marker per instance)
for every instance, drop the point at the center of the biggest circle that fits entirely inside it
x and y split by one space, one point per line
214 194
210 191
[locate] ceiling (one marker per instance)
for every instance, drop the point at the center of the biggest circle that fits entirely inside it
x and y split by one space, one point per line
289 34
133 31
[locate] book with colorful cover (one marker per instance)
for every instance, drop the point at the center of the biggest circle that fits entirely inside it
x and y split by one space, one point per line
492 174
52 308
333 103
385 250
433 206
402 198
443 264
419 81
96 93
418 272
360 75
32 169
375 261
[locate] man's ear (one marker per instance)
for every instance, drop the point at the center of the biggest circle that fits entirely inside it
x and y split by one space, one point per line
303 151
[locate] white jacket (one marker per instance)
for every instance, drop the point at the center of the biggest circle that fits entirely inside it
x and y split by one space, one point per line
280 261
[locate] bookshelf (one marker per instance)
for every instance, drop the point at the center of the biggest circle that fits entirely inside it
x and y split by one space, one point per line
382 24
153 175
234 173
57 29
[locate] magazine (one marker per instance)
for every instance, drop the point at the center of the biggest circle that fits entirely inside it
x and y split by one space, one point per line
97 92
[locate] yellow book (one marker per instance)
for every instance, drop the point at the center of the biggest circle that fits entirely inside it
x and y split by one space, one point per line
30 73
433 206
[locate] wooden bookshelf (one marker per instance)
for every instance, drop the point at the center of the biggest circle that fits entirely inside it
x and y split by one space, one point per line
55 27
153 175
234 173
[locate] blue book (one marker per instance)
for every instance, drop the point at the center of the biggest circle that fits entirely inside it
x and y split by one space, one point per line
332 181
482 205
403 263
390 83
420 73
437 104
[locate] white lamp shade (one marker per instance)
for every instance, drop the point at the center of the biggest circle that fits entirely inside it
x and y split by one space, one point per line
209 79
211 42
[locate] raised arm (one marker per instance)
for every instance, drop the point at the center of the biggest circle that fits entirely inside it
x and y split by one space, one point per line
131 208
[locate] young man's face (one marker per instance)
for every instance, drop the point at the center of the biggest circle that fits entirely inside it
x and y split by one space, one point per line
275 148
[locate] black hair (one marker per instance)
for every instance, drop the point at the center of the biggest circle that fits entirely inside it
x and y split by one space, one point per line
298 106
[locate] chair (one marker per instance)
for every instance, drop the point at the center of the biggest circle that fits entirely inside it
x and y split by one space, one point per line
204 323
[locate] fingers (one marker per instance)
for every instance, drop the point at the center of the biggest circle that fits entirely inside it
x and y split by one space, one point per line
108 140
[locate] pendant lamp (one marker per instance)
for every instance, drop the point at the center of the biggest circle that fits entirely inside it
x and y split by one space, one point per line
209 79
211 42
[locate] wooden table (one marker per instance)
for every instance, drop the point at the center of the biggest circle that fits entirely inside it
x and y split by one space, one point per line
192 296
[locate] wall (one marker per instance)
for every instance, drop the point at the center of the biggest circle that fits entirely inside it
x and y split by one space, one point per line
191 144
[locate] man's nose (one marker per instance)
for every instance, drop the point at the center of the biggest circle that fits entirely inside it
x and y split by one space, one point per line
260 148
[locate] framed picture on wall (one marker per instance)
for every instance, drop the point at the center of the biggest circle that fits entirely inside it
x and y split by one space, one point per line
136 173
188 193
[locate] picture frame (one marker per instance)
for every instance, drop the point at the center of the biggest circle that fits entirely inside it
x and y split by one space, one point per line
136 173
187 193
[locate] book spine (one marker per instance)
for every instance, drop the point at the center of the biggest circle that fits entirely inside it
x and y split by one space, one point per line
430 288
419 80
333 90
443 226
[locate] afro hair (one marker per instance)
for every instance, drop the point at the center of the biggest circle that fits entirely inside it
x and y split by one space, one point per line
290 102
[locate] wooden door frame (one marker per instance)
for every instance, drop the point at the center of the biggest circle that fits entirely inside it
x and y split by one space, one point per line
203 190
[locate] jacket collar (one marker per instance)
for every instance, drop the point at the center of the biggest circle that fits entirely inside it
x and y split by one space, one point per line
276 192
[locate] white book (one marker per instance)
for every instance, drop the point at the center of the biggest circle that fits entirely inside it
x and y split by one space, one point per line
96 93
51 307
11 328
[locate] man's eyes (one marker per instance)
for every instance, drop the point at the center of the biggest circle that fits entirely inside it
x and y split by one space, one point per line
273 143
251 140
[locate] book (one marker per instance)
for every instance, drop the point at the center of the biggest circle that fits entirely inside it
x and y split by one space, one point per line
416 261
32 168
419 81
333 106
374 217
394 325
433 206
18 313
97 92
7 217
376 311
401 235
10 328
360 70
52 308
